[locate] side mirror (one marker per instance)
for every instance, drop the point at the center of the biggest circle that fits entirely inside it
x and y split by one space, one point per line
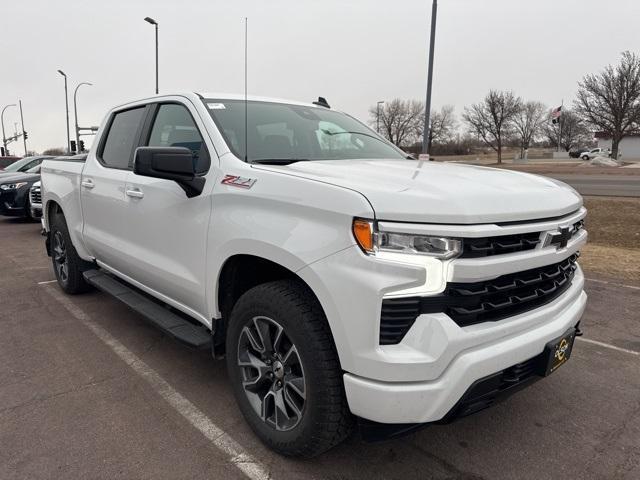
169 163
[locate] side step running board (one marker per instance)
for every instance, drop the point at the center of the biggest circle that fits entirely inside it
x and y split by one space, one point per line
167 321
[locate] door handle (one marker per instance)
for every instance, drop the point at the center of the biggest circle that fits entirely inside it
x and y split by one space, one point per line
134 193
87 183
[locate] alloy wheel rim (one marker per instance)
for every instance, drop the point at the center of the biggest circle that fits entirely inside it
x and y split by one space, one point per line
272 373
60 256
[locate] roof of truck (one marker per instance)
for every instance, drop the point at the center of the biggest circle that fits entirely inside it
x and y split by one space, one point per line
220 96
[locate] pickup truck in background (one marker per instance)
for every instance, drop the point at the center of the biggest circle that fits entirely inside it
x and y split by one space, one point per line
595 152
344 283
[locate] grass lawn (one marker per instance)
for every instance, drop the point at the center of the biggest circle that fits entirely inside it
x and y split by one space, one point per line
613 249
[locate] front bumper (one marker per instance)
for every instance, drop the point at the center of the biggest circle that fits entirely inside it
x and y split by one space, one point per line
36 211
12 203
431 401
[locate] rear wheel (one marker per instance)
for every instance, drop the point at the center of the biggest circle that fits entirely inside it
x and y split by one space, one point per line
585 157
67 265
284 370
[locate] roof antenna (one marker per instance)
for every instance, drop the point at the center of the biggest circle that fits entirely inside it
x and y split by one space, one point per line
322 102
246 141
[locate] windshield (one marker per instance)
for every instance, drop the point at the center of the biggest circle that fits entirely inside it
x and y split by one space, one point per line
18 164
283 131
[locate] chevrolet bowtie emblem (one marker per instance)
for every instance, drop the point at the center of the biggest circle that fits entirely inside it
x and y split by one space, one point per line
560 238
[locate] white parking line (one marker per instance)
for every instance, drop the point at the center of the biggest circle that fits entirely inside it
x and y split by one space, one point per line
607 345
48 281
238 456
633 287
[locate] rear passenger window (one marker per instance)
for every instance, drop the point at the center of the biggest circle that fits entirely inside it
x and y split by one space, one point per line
174 127
118 146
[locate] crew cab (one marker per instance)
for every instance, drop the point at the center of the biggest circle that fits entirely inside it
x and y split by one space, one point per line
345 284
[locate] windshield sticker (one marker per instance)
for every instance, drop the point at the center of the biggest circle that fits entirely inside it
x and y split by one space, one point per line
216 106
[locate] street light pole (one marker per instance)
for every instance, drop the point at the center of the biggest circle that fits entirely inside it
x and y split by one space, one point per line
427 111
24 135
378 115
4 137
155 24
66 104
75 113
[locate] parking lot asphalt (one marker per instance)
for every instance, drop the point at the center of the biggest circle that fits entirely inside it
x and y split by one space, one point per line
89 390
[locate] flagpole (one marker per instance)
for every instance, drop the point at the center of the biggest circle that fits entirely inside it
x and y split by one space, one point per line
560 124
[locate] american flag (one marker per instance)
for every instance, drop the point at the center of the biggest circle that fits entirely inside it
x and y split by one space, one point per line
555 114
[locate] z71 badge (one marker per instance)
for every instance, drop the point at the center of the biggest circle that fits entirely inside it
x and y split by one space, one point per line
236 181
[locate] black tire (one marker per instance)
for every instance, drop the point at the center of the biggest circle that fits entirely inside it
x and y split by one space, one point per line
67 265
585 157
324 419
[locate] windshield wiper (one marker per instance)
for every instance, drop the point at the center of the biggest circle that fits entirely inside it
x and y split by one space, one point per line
278 161
329 132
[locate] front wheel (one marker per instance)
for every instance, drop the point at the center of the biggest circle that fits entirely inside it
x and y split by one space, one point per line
585 157
284 370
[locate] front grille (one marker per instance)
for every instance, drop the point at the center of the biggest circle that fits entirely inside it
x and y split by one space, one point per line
36 195
521 242
471 303
487 246
505 296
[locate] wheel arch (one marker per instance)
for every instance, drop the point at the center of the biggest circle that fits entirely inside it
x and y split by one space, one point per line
241 272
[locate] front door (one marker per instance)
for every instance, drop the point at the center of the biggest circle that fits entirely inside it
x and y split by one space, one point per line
167 231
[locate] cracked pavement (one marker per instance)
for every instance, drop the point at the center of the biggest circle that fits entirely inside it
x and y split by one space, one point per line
70 408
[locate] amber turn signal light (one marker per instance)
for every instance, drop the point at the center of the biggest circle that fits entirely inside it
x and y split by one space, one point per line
363 233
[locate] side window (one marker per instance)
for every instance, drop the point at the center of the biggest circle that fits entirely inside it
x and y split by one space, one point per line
118 147
174 127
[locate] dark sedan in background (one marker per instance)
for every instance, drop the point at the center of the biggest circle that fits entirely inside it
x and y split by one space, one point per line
14 192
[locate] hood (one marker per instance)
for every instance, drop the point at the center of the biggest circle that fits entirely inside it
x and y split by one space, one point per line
15 177
429 192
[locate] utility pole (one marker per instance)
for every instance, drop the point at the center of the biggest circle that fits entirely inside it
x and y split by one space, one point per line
75 112
155 24
378 115
4 137
66 103
427 111
24 135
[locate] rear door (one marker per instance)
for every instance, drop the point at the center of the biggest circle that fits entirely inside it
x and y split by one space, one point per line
166 230
102 188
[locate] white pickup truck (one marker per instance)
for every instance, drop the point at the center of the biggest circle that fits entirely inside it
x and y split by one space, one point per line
344 283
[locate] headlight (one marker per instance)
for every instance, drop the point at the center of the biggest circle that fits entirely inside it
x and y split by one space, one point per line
12 186
373 241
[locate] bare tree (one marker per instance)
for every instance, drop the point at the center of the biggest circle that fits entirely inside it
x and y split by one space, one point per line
443 126
575 132
54 151
492 119
610 100
398 120
528 123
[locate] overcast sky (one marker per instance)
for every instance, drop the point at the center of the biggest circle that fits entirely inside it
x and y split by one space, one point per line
353 52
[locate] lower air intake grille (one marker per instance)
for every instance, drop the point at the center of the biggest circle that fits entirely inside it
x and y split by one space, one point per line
398 315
